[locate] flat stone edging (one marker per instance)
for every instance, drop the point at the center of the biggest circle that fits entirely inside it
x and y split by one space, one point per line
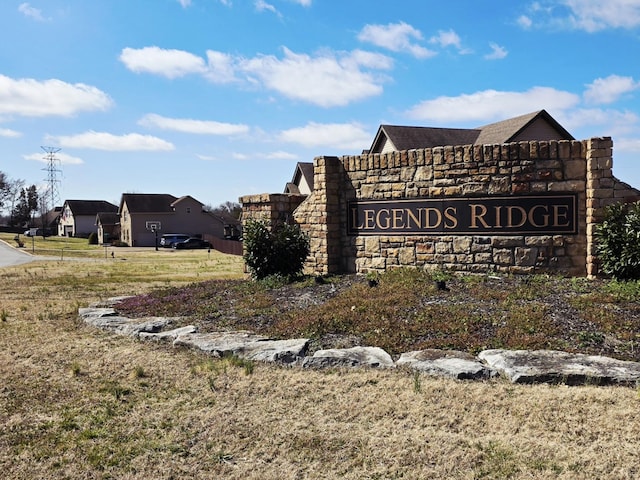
518 366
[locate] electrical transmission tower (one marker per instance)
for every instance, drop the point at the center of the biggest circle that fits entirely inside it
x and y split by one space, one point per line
51 197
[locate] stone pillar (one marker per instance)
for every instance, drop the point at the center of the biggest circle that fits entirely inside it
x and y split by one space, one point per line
320 216
599 192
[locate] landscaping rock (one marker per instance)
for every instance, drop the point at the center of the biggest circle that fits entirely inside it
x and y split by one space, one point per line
143 325
169 334
280 351
96 312
110 302
131 327
446 363
519 366
349 357
107 319
245 345
550 366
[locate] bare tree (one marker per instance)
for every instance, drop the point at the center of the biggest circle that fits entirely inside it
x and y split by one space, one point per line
228 210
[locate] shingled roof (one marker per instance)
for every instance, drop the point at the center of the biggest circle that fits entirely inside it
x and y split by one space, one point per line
407 138
304 170
532 126
508 130
90 207
148 202
108 218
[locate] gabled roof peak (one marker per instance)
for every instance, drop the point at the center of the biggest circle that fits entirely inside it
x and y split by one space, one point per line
538 125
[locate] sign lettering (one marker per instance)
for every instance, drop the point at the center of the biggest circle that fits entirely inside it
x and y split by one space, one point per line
527 215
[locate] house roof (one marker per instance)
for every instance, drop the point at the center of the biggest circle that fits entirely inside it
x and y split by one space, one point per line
302 170
185 197
90 207
148 202
407 138
507 130
107 218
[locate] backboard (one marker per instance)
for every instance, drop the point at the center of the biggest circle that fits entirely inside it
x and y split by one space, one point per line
154 226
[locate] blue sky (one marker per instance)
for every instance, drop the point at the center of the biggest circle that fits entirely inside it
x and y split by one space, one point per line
220 98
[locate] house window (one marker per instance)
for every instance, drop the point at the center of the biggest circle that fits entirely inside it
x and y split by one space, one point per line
188 209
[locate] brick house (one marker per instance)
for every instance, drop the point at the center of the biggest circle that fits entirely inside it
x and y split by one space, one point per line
78 217
108 224
139 212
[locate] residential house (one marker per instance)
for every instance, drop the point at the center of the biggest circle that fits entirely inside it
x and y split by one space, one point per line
302 181
108 224
78 217
533 126
51 219
145 217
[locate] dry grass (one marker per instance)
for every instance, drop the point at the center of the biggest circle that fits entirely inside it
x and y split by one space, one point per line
78 403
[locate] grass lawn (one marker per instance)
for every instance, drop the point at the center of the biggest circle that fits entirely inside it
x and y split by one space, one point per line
78 403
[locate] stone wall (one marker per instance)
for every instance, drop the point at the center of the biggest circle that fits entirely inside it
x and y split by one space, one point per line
271 207
579 168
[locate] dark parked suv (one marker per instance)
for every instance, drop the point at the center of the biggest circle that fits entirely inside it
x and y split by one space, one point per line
168 239
192 242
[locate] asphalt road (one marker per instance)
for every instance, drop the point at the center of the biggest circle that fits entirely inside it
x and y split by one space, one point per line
10 256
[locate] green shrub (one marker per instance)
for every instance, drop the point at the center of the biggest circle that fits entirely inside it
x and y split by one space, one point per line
93 238
618 241
278 251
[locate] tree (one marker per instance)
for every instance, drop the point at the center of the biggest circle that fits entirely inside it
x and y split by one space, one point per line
4 188
13 192
228 210
26 205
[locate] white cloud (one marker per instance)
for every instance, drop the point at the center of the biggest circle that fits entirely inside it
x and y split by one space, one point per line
497 52
397 37
132 142
488 105
449 38
594 15
630 145
330 135
192 126
158 61
8 133
608 122
64 158
28 11
446 39
524 21
327 80
304 3
220 67
281 155
587 15
262 6
185 3
609 89
33 98
206 158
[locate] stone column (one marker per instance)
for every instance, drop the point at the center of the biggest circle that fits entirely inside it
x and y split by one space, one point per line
599 192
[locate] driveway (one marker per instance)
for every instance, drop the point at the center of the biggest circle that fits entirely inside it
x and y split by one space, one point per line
10 256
